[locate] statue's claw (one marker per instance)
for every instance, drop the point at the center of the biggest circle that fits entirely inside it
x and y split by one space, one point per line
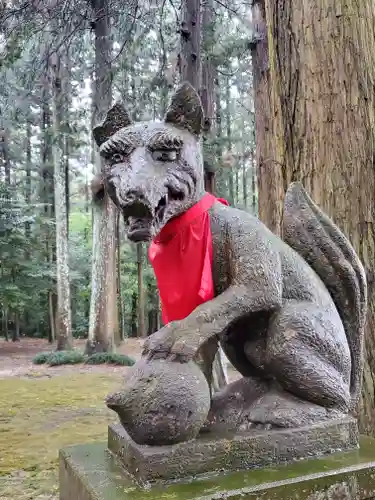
170 342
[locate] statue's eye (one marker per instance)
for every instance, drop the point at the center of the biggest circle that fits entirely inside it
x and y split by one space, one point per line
117 158
164 155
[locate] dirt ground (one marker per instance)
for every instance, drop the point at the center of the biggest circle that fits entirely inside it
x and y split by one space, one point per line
43 409
16 358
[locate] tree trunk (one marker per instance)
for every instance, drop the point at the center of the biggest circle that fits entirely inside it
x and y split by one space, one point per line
133 317
190 31
320 87
16 328
52 319
5 155
47 190
141 299
28 178
270 169
119 290
5 323
67 75
221 187
63 315
207 93
103 325
229 139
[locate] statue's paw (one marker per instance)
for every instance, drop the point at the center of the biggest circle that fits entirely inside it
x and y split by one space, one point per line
159 344
171 342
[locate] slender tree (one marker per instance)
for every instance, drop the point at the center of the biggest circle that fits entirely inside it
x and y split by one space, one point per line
63 314
207 92
103 325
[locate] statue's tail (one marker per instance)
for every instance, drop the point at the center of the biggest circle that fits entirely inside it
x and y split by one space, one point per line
318 240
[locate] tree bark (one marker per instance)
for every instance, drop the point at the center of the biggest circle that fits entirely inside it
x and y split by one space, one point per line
28 177
207 93
103 325
63 314
119 288
141 299
133 315
270 169
190 31
319 101
47 194
229 139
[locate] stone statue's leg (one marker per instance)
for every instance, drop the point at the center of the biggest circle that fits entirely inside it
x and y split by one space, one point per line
229 405
304 367
308 354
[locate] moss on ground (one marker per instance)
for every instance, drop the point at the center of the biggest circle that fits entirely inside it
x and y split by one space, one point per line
40 416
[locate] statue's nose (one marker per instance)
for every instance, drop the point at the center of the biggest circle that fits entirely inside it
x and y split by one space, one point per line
134 195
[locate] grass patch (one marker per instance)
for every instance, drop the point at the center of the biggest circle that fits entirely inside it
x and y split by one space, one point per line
110 358
57 358
38 417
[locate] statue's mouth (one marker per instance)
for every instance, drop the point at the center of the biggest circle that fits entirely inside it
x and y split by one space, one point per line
142 218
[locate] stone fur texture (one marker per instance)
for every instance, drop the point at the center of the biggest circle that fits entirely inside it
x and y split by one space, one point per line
289 314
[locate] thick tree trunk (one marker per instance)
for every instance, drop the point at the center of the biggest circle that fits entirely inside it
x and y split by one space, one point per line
190 30
103 325
319 101
63 314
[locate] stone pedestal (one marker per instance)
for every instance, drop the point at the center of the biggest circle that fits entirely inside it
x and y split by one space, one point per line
90 472
226 453
262 465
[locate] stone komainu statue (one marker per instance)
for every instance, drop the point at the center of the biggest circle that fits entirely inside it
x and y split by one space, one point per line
289 314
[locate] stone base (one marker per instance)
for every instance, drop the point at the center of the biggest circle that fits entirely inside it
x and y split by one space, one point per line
89 472
211 453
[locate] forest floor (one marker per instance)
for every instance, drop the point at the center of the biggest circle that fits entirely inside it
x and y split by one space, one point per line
45 408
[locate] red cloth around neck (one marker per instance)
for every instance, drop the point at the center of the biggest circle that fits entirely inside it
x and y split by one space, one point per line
181 256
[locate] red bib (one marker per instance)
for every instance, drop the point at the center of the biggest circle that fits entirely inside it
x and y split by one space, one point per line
181 256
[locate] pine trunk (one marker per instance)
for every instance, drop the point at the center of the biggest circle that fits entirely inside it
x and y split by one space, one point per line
315 123
63 314
103 325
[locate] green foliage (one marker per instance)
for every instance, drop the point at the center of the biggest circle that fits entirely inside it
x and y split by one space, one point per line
59 358
110 358
41 358
66 358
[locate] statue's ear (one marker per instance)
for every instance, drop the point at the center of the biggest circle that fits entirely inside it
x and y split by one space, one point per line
116 118
185 109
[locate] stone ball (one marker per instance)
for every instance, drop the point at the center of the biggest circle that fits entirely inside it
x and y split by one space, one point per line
163 402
